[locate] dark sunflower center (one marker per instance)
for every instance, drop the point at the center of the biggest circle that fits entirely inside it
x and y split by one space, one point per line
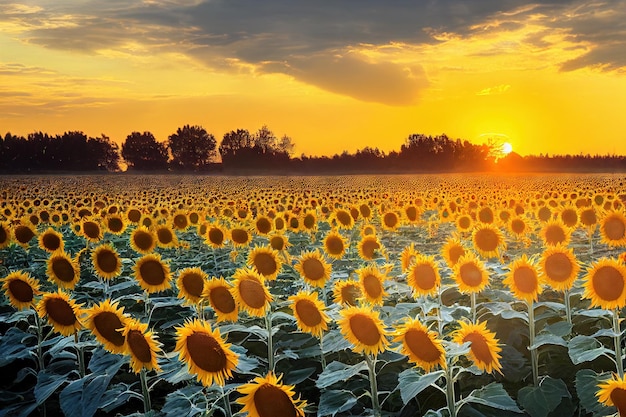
309 221
479 347
518 226
51 241
222 300
390 219
139 346
455 253
411 213
271 401
344 218
115 224
91 230
614 228
180 221
63 269
24 234
152 272
108 324
193 283
21 290
424 276
372 286
216 236
165 236
313 269
365 330
265 263
487 240
239 236
588 217
107 261
277 243
569 217
308 313
206 352
334 245
555 234
525 279
368 248
143 240
465 222
252 293
618 396
421 345
134 215
263 225
558 267
608 283
60 311
471 275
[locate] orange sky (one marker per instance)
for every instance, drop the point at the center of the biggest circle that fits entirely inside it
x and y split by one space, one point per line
333 76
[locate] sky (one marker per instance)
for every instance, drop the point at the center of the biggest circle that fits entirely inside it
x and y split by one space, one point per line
333 75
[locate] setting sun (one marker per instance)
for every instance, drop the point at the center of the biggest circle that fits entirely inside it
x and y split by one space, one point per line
507 148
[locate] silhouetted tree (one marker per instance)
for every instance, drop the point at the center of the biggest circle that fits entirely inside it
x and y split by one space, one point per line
240 149
192 148
106 152
141 151
233 143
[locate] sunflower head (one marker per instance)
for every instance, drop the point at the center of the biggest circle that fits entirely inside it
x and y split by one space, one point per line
364 329
342 219
613 229
347 292
470 274
369 247
554 232
21 289
240 236
63 270
279 241
106 261
559 267
309 313
313 268
91 230
141 345
216 236
115 224
421 345
263 225
407 256
488 240
605 284
268 397
106 321
5 235
423 275
523 279
334 245
250 292
143 240
190 283
452 250
204 351
50 240
218 292
265 261
152 273
62 312
371 280
390 220
166 237
484 348
613 393
23 233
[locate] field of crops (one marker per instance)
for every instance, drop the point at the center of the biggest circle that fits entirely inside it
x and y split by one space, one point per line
447 295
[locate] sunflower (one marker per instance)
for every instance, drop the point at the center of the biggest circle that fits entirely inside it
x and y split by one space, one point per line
313 268
390 220
368 229
115 224
423 276
554 232
278 241
484 348
106 321
368 246
309 222
605 284
218 292
588 217
523 279
363 327
268 397
569 216
190 283
106 261
166 238
142 346
5 235
142 240
250 292
63 270
519 227
204 351
559 267
464 223
613 393
452 250
371 281
133 215
23 234
180 221
365 211
240 236
420 344
279 224
263 225
265 261
91 230
309 313
20 288
486 215
216 236
62 312
50 240
613 229
334 245
488 240
412 214
470 274
342 219
347 292
407 256
152 273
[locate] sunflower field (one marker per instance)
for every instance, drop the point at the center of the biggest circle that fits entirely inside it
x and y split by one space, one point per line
447 295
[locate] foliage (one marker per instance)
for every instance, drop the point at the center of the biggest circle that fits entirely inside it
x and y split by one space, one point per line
141 151
192 148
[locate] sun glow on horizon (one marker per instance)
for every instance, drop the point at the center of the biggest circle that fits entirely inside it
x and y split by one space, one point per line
507 148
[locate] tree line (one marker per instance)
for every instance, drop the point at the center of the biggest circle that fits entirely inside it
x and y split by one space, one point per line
193 149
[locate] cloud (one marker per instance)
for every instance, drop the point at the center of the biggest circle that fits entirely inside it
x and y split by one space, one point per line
490 91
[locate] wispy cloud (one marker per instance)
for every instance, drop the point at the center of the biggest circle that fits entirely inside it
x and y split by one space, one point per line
490 91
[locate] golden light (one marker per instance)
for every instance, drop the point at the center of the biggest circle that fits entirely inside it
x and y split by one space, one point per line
507 148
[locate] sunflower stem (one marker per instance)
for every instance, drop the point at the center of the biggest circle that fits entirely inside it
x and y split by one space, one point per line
81 356
568 306
371 366
617 340
323 357
531 341
39 341
270 347
450 396
147 406
229 412
473 303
